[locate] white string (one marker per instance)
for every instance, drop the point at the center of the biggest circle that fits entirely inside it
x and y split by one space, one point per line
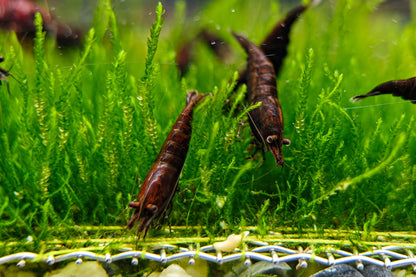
375 105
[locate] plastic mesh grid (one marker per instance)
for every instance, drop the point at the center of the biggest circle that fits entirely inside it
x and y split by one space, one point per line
392 254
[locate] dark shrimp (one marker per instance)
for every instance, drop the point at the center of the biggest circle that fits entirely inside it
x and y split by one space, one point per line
217 44
4 74
275 44
18 15
403 88
266 121
214 42
184 57
161 181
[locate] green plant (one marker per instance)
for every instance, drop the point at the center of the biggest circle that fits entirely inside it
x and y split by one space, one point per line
75 141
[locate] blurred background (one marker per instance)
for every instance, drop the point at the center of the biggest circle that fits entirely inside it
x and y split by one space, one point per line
80 12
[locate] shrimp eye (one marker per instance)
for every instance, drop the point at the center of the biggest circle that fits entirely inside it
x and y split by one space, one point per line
134 204
270 139
151 207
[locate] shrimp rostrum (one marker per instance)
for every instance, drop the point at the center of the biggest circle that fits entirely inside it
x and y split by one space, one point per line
160 183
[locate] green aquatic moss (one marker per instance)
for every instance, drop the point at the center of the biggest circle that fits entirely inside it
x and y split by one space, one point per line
76 141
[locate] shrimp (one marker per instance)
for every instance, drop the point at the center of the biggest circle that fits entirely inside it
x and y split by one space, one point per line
3 72
18 15
160 183
275 44
219 47
184 58
266 121
403 88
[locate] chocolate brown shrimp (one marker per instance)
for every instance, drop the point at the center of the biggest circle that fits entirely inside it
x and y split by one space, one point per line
220 48
406 89
160 183
275 44
3 72
184 58
184 55
266 121
18 16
